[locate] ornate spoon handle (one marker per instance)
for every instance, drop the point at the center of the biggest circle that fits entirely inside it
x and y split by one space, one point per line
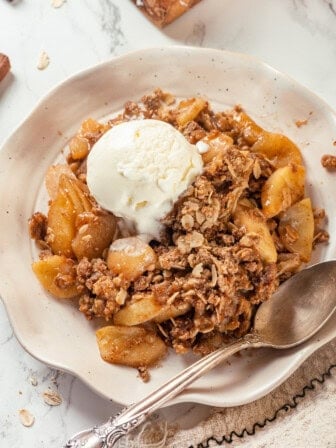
106 435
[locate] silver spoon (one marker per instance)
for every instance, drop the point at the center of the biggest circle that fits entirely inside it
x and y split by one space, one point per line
299 308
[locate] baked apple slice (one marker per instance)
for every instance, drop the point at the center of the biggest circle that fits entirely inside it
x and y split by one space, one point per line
130 257
189 109
130 346
94 235
54 267
72 199
278 149
138 312
254 222
296 229
282 189
248 127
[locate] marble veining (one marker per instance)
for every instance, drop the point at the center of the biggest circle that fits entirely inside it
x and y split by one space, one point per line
332 6
295 36
110 21
317 17
196 37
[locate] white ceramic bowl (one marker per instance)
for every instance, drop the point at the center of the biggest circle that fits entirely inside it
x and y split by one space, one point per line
54 331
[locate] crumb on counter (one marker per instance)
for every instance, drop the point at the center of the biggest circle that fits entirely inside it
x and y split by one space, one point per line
144 374
329 161
4 66
300 123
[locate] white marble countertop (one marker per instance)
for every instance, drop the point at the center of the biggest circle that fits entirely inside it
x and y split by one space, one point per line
297 37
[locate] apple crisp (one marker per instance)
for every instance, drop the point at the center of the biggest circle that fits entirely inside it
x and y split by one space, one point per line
241 228
163 12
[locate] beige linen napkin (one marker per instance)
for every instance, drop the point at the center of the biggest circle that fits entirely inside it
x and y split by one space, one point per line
240 424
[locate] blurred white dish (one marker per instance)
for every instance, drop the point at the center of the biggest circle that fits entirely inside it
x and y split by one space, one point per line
55 332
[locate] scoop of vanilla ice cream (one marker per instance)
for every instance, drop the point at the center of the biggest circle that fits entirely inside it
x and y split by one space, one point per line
139 168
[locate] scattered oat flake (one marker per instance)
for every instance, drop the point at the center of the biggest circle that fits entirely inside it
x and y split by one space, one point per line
33 381
44 61
52 398
26 418
57 3
334 143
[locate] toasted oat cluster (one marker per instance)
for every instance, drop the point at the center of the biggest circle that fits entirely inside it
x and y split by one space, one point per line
329 161
240 229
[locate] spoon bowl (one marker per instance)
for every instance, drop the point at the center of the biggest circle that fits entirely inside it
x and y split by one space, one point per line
300 307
